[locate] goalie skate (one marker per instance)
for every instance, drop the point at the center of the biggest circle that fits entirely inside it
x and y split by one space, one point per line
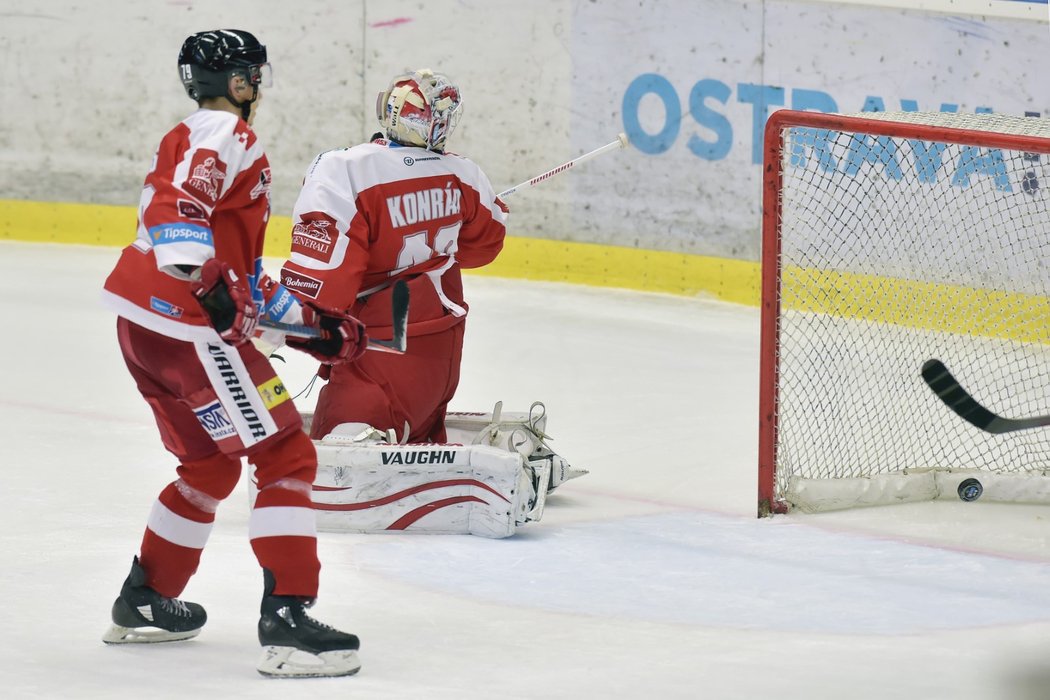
143 616
297 646
524 433
560 470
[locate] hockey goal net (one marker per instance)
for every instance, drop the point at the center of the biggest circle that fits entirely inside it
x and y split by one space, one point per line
890 239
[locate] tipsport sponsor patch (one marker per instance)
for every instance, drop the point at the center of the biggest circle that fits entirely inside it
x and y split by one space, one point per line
164 234
165 307
279 304
215 421
273 393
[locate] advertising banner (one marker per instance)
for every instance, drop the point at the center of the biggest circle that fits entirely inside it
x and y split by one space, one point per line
695 82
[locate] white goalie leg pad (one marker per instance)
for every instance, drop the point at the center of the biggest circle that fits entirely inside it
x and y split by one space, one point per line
350 433
524 433
368 486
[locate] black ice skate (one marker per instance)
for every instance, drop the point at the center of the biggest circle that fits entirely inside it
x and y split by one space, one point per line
141 615
297 646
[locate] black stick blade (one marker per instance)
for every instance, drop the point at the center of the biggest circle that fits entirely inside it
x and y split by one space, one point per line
948 390
955 397
398 343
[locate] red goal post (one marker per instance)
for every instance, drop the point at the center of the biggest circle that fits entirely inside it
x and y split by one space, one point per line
889 239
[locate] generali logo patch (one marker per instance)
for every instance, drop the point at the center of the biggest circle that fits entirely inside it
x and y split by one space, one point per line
301 284
314 236
206 175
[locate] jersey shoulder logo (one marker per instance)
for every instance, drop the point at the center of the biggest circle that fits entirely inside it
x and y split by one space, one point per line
206 175
313 235
263 186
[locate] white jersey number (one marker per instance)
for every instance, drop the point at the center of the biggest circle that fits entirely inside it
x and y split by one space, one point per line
416 248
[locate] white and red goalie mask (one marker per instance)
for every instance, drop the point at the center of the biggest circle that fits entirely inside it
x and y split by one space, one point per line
419 109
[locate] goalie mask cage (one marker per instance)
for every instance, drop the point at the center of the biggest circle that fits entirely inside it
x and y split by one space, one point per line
889 239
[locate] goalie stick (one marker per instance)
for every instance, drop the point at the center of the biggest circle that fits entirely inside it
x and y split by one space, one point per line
397 344
620 142
955 397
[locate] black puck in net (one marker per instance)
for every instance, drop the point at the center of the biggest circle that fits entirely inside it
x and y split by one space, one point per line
970 489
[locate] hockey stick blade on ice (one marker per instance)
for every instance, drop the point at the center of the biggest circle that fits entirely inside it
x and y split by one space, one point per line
398 342
620 142
955 397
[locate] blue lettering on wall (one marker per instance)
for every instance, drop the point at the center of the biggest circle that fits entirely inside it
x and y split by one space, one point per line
815 100
761 98
816 141
715 121
977 161
928 159
645 84
709 102
875 150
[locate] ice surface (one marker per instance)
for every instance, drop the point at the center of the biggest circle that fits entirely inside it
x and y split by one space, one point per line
649 578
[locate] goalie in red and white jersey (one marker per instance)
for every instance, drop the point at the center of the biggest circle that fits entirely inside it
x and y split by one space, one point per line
403 207
399 207
189 292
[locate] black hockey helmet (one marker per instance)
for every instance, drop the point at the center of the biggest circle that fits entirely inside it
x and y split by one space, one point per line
208 60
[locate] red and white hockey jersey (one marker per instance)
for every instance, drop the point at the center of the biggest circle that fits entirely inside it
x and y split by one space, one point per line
379 211
207 195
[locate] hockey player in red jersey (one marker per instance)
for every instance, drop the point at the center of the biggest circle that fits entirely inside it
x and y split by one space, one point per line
399 207
189 292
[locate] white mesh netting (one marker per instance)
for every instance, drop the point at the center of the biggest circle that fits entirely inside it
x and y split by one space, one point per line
895 250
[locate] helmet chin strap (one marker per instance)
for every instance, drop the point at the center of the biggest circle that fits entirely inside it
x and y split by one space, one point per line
246 106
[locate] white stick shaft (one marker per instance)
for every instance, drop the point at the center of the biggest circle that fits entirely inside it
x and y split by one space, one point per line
620 142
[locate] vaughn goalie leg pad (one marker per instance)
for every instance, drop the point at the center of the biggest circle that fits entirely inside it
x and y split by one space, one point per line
368 486
524 433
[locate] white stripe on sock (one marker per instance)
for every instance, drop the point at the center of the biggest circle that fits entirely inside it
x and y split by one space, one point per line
176 529
277 521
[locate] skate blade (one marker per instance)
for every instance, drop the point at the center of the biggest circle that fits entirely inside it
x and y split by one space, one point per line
560 475
145 635
289 662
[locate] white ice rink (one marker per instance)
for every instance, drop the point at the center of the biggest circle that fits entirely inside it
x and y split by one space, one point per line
650 578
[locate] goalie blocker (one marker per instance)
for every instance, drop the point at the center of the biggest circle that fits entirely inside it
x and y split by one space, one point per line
493 481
